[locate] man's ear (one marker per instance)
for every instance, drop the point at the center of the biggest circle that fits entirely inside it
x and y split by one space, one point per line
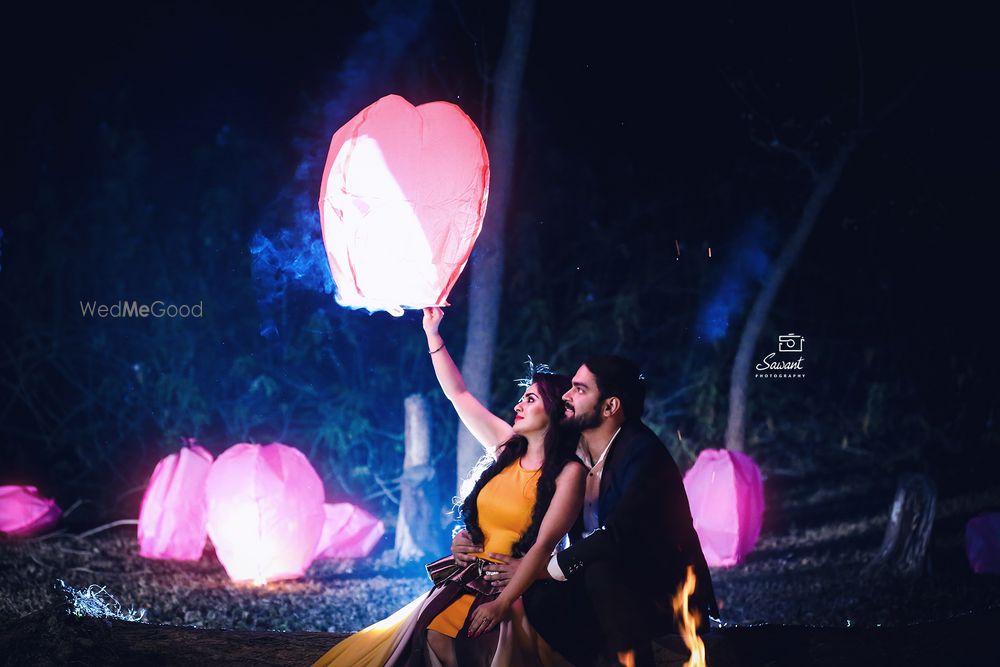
611 406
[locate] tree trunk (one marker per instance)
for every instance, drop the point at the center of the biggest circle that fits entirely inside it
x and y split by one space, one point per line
415 528
823 186
904 547
486 270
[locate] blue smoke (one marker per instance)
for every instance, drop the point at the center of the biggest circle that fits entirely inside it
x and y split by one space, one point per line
746 267
294 255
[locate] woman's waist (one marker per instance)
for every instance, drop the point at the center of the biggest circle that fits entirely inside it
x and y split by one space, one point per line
499 542
485 555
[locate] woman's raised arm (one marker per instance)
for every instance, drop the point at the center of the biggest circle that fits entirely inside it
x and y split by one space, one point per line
487 428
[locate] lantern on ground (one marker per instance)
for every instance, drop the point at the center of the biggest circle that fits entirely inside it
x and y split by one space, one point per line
982 543
172 515
401 203
265 511
348 532
24 512
726 495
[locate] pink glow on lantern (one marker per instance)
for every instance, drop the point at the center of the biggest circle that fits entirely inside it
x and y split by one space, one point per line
726 495
982 543
349 532
402 202
265 511
172 515
24 512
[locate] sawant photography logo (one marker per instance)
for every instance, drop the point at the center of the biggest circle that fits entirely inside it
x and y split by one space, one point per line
775 366
136 309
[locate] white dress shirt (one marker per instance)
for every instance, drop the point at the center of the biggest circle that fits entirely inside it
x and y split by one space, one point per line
591 495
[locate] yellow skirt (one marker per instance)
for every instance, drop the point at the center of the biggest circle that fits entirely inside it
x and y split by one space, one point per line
452 619
373 646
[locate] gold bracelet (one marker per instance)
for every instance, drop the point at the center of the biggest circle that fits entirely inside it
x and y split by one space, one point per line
437 350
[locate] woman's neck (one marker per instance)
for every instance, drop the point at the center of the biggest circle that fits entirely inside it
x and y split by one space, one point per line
535 456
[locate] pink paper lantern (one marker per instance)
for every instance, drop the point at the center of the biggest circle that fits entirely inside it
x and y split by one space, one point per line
23 512
172 515
349 532
726 495
982 543
265 511
402 202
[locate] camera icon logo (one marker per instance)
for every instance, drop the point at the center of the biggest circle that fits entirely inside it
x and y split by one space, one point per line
790 343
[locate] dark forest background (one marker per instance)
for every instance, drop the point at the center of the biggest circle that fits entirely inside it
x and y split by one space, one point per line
174 152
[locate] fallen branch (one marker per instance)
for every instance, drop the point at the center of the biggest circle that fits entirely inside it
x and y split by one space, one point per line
55 533
72 508
113 524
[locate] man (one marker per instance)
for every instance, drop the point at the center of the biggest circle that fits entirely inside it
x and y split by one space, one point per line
613 587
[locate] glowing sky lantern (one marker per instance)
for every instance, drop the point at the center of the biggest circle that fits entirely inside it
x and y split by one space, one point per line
349 532
172 515
265 511
726 495
402 202
24 512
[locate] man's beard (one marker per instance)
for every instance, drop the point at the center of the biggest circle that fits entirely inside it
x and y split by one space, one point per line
585 421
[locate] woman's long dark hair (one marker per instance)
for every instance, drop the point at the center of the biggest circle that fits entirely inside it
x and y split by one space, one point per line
559 445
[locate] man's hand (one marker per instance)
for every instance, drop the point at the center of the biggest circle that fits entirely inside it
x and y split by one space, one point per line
500 574
463 549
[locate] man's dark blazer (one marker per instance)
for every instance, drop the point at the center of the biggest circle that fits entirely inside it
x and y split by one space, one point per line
644 544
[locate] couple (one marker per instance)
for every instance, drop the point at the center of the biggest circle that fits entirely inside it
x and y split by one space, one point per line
576 461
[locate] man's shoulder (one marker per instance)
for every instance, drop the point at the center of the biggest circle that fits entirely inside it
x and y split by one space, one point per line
636 441
639 436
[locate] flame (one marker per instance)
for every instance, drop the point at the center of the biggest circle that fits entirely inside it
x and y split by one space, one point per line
687 622
626 658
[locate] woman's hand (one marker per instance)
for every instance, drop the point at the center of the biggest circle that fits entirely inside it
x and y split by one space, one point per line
432 320
488 616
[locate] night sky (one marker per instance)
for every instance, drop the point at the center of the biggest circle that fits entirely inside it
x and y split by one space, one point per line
637 130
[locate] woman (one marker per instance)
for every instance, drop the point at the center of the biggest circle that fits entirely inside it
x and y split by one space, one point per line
522 505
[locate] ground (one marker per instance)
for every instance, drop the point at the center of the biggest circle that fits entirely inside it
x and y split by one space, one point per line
805 571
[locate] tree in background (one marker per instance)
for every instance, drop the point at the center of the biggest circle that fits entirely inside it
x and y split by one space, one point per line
487 265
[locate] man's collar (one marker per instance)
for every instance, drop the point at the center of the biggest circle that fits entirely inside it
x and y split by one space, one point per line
584 455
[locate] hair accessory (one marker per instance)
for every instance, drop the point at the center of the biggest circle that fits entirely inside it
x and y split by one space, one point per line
533 370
